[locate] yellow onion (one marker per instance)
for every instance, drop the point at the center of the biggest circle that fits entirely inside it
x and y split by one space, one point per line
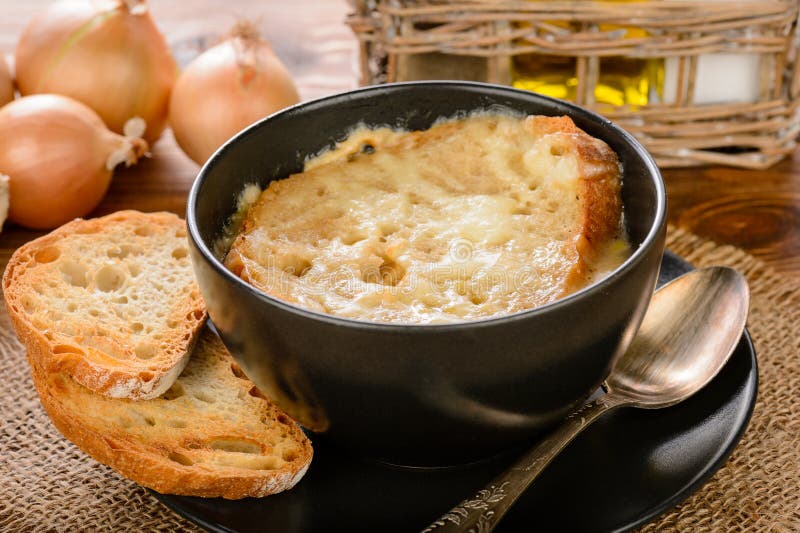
6 83
225 89
107 54
59 157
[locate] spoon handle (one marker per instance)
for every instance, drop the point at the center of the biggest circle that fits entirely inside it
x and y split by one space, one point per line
482 512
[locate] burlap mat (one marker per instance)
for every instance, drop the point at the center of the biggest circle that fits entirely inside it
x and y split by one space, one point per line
47 484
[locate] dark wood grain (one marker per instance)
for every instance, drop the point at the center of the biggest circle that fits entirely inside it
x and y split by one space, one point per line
757 210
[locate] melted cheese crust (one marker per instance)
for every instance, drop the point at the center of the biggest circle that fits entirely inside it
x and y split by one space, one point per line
473 218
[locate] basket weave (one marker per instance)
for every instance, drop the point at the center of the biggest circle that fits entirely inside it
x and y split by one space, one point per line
485 34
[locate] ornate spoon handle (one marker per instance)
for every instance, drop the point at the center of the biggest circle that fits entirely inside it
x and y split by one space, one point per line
482 512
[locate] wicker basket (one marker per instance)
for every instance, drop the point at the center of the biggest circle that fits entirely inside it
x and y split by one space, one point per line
476 39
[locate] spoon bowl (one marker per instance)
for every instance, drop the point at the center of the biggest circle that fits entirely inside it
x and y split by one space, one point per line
689 332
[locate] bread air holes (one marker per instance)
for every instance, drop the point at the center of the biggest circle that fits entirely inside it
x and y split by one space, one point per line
124 250
234 445
175 391
478 299
388 228
29 304
248 461
204 396
180 253
143 231
197 314
109 278
60 349
140 419
144 350
295 265
47 255
289 455
76 274
388 273
180 459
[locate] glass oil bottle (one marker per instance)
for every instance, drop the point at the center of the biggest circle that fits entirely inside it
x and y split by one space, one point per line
620 80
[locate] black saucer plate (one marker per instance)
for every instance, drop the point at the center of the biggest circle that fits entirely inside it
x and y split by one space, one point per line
627 468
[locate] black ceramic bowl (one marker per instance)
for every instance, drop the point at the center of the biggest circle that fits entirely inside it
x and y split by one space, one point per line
421 394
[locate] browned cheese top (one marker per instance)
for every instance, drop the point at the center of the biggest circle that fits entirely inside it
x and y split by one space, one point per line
473 218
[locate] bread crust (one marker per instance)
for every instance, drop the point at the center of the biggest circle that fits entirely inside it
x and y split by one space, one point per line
599 187
151 462
97 368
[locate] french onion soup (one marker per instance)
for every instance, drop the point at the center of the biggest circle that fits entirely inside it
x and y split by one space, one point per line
473 218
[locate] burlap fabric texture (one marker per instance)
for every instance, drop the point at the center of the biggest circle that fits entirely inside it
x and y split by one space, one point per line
47 484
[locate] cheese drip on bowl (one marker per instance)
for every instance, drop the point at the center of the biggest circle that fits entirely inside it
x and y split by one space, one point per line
473 218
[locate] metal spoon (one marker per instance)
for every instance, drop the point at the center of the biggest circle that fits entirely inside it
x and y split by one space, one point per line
691 327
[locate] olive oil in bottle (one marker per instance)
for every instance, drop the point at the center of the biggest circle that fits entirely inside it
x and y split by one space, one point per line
620 81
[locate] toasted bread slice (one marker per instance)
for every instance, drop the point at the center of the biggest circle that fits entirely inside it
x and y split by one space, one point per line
212 434
472 218
111 301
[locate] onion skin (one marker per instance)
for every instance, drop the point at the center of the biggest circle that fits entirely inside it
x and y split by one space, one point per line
219 94
113 60
56 152
6 83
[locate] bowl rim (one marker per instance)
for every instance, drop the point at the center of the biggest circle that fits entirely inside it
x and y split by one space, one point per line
654 233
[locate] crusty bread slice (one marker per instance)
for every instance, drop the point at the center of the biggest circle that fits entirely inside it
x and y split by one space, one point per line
472 218
211 434
591 203
111 301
